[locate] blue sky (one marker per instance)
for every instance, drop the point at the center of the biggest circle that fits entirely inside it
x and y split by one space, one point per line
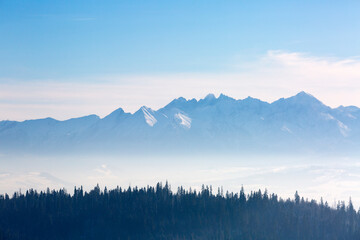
94 42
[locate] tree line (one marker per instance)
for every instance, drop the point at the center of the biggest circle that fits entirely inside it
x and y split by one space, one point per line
156 212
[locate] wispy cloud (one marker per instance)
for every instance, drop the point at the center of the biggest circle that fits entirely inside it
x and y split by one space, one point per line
103 173
273 75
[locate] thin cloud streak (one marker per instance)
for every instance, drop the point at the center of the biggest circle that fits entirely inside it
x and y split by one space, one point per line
274 75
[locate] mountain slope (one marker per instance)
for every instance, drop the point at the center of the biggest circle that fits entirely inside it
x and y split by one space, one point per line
300 123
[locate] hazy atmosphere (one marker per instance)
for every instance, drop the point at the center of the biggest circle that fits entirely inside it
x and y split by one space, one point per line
236 95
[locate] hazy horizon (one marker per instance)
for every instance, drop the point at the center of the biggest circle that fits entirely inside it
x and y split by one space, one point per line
66 59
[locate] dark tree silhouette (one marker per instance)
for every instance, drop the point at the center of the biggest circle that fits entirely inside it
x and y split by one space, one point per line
158 213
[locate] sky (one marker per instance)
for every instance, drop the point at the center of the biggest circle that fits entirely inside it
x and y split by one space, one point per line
66 59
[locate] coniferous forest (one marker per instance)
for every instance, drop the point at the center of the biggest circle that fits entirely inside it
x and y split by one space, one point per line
159 213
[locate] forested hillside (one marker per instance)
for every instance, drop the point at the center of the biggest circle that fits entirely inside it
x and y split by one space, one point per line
159 213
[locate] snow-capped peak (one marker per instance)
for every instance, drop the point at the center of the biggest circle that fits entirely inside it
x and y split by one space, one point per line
149 118
183 120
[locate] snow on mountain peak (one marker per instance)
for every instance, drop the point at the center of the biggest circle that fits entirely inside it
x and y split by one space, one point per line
184 120
343 128
327 116
149 118
233 124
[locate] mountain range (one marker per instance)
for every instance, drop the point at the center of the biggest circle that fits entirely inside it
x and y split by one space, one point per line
299 124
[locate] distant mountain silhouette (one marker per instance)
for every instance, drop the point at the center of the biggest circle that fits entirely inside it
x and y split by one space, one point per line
297 124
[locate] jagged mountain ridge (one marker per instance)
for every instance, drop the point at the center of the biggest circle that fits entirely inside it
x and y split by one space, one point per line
299 123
